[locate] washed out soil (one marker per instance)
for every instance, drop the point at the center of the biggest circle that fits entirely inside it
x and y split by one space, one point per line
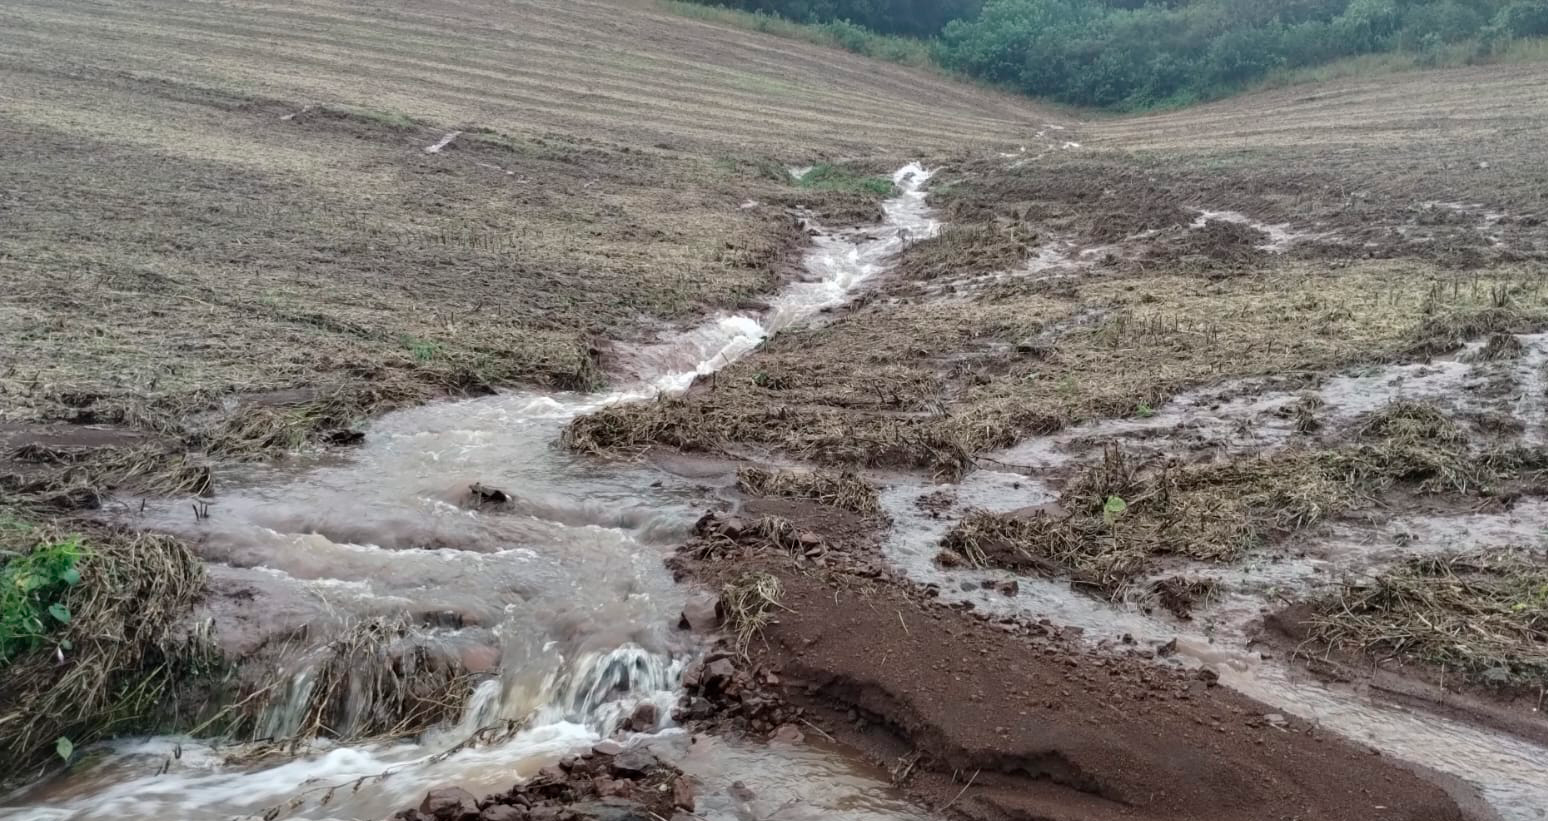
606 783
998 720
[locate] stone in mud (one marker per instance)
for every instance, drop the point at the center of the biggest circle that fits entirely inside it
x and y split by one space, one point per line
789 733
609 787
644 718
718 673
701 614
682 794
693 676
733 528
449 804
633 763
502 812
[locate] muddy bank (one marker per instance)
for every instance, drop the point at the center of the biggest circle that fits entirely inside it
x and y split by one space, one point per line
990 720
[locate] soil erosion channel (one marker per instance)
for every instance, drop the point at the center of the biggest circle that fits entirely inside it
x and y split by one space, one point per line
559 591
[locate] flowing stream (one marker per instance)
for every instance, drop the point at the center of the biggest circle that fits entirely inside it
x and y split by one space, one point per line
560 593
561 597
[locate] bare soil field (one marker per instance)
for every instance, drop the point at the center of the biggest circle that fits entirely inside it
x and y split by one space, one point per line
1170 406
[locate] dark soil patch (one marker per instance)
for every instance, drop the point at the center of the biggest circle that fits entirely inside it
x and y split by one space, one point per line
607 783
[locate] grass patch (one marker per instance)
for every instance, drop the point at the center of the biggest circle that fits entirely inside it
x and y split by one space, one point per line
1465 53
840 179
372 116
843 490
1484 615
423 350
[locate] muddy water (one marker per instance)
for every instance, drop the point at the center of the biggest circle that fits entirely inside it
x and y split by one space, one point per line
560 592
1249 417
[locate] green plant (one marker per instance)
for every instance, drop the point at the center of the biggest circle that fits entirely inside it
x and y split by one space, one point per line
1144 410
826 177
423 350
32 589
1113 508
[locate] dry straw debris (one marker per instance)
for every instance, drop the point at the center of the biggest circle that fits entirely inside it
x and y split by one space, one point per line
844 490
117 665
1482 614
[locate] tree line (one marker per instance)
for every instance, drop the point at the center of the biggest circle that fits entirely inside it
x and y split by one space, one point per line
1133 54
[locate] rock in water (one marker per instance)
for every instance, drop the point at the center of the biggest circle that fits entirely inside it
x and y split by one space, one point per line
450 804
644 718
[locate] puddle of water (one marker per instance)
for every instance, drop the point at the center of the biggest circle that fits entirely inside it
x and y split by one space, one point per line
564 584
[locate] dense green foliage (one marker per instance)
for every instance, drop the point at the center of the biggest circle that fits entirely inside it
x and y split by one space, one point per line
916 18
32 587
1136 54
1091 53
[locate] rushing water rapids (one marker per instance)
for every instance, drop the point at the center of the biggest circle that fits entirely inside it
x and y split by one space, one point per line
565 585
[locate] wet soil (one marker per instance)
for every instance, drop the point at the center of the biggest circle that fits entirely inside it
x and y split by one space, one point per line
988 720
606 783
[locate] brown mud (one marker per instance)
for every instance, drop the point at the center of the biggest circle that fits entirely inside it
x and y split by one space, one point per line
606 783
1001 720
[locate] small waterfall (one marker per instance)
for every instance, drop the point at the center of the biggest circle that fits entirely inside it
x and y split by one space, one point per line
600 690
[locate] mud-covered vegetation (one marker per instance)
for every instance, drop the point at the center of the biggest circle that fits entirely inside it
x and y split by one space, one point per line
1118 518
1482 615
934 386
844 490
